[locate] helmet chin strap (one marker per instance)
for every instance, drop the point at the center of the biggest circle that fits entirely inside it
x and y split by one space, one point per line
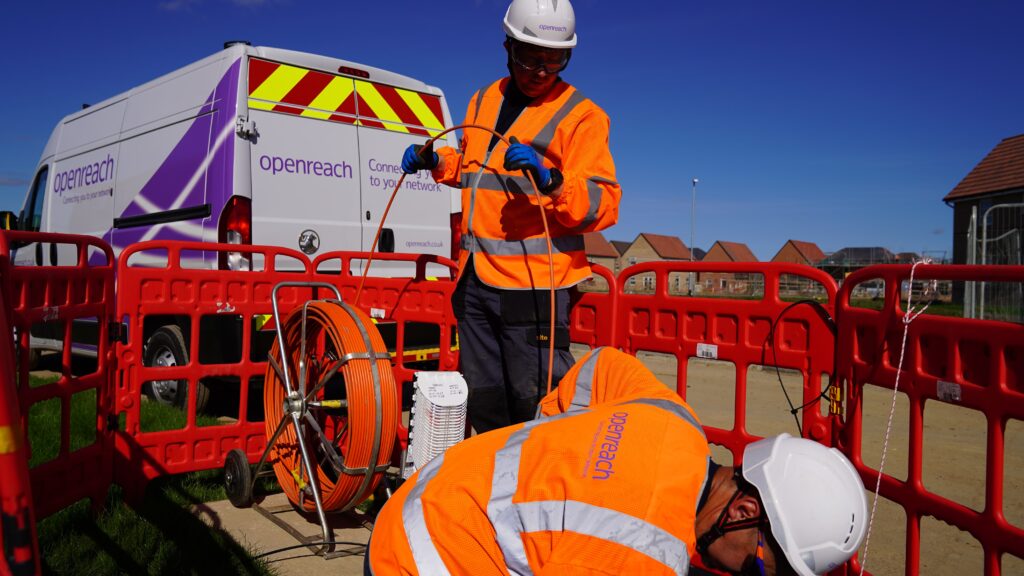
723 526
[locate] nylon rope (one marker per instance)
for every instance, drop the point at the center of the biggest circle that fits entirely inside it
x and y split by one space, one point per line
908 317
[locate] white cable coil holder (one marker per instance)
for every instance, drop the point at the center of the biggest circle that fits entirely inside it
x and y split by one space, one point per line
438 417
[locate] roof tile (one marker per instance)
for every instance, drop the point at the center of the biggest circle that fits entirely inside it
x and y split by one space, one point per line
1002 169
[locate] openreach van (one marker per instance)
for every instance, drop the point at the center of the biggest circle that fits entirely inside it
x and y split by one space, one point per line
252 145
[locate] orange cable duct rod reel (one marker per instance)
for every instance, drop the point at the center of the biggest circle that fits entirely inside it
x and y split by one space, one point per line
332 410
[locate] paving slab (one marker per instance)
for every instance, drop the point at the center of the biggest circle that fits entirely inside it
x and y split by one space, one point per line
254 529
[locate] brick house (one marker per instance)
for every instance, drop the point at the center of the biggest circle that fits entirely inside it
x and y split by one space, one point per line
654 248
601 252
799 252
620 246
987 209
729 283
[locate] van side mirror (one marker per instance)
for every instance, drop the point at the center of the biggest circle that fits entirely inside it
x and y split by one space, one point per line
8 221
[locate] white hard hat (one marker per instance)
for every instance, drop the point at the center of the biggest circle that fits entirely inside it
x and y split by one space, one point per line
814 500
547 23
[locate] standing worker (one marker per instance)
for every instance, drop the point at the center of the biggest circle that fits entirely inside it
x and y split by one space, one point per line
502 302
616 478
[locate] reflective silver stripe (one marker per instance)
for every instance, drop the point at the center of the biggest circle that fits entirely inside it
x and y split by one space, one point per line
530 246
425 554
672 407
594 197
585 382
500 183
611 525
543 139
500 510
472 192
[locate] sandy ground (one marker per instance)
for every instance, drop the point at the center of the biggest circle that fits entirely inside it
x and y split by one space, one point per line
953 460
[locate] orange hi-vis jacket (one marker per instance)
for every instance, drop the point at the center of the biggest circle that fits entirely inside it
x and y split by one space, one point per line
501 227
608 483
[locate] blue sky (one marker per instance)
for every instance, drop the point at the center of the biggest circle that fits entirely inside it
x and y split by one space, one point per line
838 122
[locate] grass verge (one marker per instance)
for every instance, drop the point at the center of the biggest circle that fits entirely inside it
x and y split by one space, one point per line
160 537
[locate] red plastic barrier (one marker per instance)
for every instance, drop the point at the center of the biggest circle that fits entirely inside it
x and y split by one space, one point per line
17 521
149 297
592 319
973 364
734 330
36 295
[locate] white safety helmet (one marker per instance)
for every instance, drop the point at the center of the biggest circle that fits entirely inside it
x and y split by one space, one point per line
814 500
546 23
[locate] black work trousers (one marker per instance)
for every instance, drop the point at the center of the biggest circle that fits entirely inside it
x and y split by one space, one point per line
503 348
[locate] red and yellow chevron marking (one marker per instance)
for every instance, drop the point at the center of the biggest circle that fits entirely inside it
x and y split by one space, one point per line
313 94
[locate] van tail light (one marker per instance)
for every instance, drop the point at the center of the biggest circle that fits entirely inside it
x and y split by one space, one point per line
456 225
235 228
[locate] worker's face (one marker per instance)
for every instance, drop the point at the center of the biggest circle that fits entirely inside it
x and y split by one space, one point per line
735 552
535 69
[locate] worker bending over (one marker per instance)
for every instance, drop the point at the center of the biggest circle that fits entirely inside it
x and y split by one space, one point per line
502 301
615 477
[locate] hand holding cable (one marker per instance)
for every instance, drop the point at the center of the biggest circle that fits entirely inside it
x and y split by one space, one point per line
418 158
522 157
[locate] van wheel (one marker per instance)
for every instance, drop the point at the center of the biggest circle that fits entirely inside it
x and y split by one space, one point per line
166 347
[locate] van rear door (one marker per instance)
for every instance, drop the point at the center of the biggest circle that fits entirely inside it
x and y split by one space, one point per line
305 159
390 119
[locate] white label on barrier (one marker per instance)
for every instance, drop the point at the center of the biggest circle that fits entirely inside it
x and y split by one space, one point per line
707 351
377 313
947 391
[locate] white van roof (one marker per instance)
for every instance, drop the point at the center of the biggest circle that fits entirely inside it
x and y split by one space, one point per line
303 59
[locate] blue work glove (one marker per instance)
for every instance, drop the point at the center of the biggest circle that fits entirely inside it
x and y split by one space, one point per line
522 157
413 161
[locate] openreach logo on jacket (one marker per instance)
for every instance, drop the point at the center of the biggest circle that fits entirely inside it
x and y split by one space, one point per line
82 176
607 446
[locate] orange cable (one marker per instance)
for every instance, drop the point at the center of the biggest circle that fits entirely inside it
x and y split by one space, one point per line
334 329
543 218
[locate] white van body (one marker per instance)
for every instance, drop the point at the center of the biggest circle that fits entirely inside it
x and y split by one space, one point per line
251 145
311 144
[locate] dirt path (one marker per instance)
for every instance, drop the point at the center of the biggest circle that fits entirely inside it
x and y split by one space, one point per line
953 459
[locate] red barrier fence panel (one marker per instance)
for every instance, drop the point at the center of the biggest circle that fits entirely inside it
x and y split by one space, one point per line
713 323
212 330
65 421
955 450
17 521
592 319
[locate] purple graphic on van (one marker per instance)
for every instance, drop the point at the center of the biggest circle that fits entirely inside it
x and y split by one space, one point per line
198 170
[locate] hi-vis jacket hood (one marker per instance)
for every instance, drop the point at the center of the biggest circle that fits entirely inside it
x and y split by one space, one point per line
608 483
501 228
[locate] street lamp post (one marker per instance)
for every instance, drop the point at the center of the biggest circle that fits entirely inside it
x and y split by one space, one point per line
693 218
691 280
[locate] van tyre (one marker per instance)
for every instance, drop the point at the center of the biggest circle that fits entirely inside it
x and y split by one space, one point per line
166 347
